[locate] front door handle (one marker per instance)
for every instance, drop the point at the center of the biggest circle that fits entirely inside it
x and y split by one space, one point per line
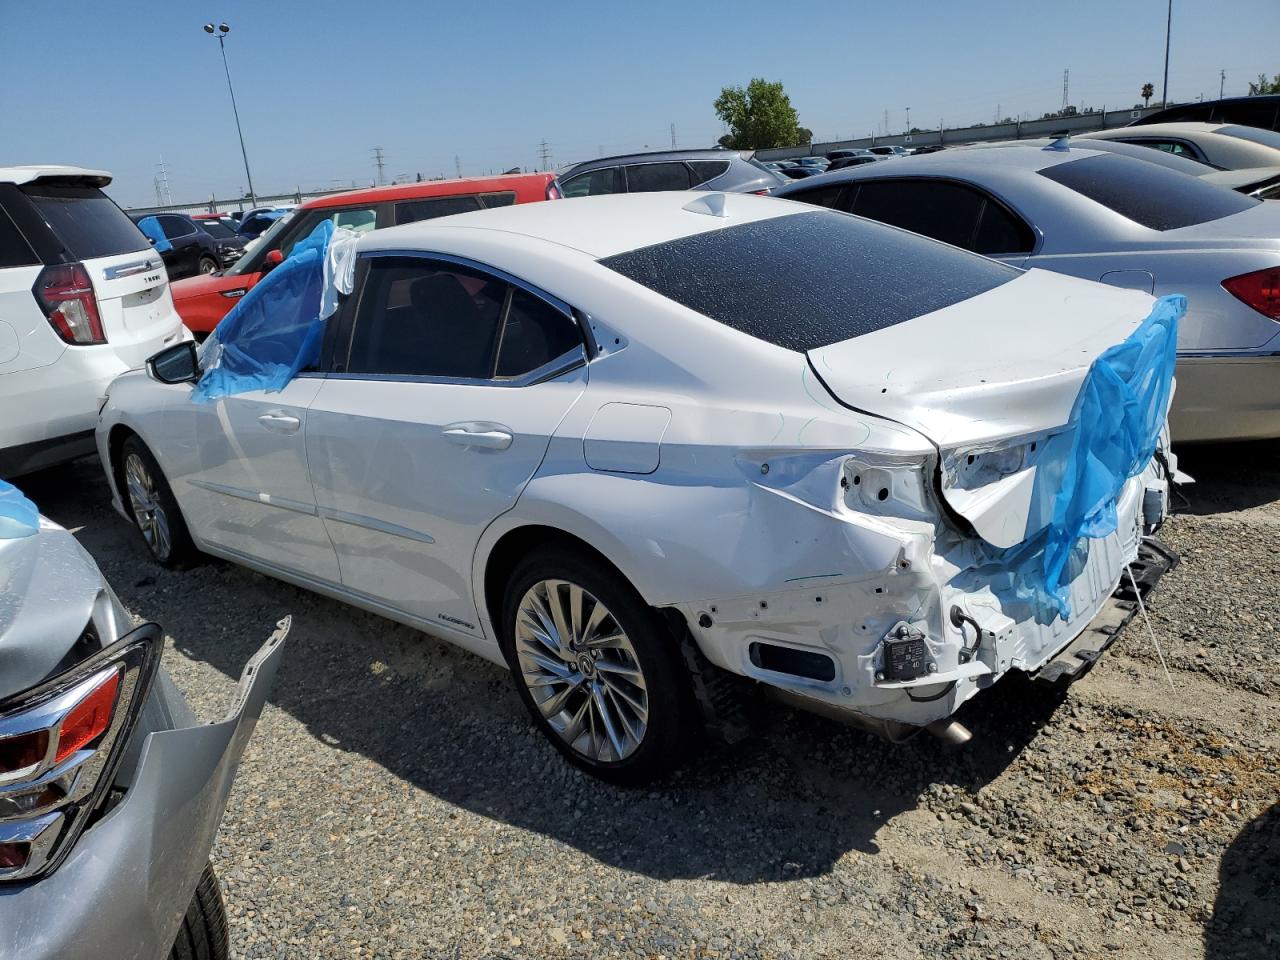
277 421
491 436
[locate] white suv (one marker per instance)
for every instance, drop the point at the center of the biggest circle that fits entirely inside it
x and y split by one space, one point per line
82 299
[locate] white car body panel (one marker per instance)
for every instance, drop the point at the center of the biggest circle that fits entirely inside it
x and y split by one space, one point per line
705 464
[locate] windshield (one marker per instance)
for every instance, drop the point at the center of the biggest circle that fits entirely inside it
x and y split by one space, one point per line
807 280
216 228
267 241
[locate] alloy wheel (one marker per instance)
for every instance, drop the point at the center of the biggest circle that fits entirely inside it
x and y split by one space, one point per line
144 499
581 670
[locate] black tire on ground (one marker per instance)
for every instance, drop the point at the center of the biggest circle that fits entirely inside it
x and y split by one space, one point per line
181 551
206 265
674 725
203 934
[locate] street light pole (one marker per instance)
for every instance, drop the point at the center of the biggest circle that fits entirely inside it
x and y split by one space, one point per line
1168 29
222 31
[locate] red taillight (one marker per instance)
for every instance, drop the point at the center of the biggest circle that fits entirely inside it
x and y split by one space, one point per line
89 718
66 295
22 752
553 192
761 193
1260 290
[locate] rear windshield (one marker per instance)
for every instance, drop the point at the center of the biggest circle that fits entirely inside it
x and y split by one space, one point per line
1150 195
1266 137
85 220
807 280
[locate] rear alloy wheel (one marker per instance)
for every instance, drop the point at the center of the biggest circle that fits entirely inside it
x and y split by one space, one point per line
155 512
597 668
207 265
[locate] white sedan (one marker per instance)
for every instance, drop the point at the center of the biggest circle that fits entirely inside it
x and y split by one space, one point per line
632 446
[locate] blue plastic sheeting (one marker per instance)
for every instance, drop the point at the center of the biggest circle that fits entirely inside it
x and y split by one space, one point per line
1115 424
18 515
274 331
150 228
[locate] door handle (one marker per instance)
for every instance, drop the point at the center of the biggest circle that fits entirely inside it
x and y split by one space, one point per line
488 435
279 422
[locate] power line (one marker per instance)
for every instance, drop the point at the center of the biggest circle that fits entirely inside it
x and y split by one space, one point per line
379 162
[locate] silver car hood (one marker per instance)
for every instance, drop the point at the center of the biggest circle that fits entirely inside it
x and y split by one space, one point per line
1003 367
50 591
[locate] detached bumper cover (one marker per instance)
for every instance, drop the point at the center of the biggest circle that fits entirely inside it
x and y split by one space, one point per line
126 885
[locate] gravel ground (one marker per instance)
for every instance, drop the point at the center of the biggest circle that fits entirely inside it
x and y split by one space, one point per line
396 802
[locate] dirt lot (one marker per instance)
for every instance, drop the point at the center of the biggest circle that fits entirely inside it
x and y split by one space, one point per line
395 801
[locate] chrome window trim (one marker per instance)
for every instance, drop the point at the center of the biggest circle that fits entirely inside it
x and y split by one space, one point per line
566 362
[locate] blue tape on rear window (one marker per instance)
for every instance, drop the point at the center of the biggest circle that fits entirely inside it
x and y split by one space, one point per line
1112 433
274 331
150 228
18 515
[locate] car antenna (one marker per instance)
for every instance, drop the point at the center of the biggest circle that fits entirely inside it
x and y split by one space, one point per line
1061 140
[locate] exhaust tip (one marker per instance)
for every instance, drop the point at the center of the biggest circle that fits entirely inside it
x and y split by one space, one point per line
950 732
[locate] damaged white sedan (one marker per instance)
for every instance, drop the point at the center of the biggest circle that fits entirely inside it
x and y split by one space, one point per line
630 446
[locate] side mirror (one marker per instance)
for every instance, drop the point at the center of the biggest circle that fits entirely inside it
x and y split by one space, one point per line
273 259
176 364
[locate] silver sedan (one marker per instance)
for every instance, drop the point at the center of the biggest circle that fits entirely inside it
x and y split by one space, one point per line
1119 220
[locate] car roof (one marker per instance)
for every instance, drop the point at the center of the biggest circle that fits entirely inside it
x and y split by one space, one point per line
431 188
1185 128
973 163
598 226
30 173
656 156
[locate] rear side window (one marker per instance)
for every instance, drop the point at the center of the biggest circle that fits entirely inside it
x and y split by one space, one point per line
14 249
704 170
535 334
1147 194
85 220
504 199
808 280
944 211
428 208
648 177
593 182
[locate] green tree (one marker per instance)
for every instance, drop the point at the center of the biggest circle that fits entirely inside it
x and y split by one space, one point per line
759 117
1148 91
1264 85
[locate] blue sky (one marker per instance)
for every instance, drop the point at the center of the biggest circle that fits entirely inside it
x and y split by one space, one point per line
118 84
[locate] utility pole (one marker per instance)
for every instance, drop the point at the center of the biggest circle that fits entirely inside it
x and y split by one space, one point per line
1168 31
163 193
379 162
886 123
1222 82
457 165
908 121
673 136
544 154
1066 77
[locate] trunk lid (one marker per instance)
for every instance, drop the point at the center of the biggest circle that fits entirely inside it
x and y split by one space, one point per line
987 380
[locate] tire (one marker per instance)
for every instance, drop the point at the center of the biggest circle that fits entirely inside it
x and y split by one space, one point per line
629 722
203 934
148 497
206 264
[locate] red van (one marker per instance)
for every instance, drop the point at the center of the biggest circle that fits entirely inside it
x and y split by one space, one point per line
203 301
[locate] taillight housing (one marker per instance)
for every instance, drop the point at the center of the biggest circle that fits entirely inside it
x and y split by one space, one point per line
60 746
1259 289
553 191
65 294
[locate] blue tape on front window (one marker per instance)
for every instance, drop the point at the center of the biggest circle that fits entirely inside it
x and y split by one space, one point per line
150 228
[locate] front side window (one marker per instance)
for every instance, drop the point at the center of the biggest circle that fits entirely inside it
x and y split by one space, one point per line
649 177
428 208
1146 193
428 318
819 196
808 280
593 182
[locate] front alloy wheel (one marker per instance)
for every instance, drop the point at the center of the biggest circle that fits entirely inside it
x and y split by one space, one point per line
581 670
148 511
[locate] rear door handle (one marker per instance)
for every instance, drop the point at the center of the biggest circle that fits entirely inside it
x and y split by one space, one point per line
491 436
277 421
